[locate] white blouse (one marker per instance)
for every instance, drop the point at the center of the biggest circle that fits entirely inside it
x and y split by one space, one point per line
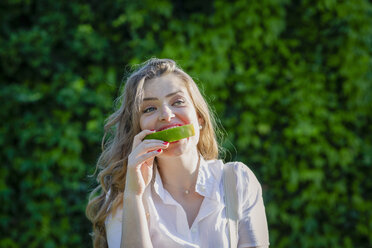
168 224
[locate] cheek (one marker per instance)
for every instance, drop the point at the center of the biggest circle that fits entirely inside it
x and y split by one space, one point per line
189 115
142 123
147 122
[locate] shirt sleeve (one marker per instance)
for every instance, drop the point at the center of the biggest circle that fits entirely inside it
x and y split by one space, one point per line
253 230
113 226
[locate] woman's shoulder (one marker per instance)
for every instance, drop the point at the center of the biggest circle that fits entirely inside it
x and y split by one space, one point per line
243 173
248 187
241 170
247 182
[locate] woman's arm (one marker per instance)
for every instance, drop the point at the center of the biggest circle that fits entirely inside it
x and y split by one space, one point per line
135 232
253 228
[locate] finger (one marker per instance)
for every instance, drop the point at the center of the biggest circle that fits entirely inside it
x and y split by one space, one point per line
149 146
148 163
146 147
140 136
147 157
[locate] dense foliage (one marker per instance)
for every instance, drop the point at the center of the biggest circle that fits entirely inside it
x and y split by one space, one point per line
291 82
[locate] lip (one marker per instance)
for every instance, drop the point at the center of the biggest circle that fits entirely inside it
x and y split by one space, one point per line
169 126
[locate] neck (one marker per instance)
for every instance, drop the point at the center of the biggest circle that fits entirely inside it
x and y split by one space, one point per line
179 170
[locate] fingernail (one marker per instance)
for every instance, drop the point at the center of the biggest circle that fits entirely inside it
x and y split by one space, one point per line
159 150
165 143
152 130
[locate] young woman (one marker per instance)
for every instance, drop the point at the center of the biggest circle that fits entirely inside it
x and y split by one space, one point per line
158 194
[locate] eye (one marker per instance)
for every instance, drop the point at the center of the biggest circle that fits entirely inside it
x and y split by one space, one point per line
149 109
178 102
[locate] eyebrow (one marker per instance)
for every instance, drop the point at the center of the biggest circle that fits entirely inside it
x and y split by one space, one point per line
169 95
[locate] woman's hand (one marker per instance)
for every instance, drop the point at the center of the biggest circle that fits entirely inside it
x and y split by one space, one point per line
140 162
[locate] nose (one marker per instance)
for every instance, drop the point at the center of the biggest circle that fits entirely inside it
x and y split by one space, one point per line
166 114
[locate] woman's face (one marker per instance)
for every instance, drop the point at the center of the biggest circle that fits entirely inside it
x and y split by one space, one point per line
166 104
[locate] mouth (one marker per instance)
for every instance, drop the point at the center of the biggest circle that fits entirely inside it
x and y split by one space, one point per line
173 132
169 127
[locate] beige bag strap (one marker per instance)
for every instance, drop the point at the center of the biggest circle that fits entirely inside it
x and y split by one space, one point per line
231 202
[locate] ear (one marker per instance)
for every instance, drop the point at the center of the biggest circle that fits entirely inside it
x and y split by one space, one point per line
201 121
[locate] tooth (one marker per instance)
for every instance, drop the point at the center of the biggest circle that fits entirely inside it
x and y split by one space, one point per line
170 128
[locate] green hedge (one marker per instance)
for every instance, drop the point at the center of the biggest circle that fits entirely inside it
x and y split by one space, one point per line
291 82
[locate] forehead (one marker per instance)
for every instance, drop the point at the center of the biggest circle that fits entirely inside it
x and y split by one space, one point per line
164 85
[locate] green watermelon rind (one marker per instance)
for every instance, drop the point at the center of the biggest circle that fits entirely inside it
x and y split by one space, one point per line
173 134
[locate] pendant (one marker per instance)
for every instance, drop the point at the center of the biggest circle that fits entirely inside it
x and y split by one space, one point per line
187 191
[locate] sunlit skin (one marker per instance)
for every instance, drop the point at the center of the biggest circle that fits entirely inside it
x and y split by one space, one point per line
167 103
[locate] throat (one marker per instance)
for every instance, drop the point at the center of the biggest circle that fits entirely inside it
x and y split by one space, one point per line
179 175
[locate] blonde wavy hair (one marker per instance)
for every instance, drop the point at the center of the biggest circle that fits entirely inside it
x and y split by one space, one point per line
120 129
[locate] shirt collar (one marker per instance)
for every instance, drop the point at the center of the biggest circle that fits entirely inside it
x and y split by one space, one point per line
209 176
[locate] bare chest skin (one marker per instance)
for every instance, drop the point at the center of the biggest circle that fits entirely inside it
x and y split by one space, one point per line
190 203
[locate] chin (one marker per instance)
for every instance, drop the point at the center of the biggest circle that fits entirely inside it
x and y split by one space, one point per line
173 150
177 148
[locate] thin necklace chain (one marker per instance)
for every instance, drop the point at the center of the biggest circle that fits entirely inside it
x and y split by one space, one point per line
186 191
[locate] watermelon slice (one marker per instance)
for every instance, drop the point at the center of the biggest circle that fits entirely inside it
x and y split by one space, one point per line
173 134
